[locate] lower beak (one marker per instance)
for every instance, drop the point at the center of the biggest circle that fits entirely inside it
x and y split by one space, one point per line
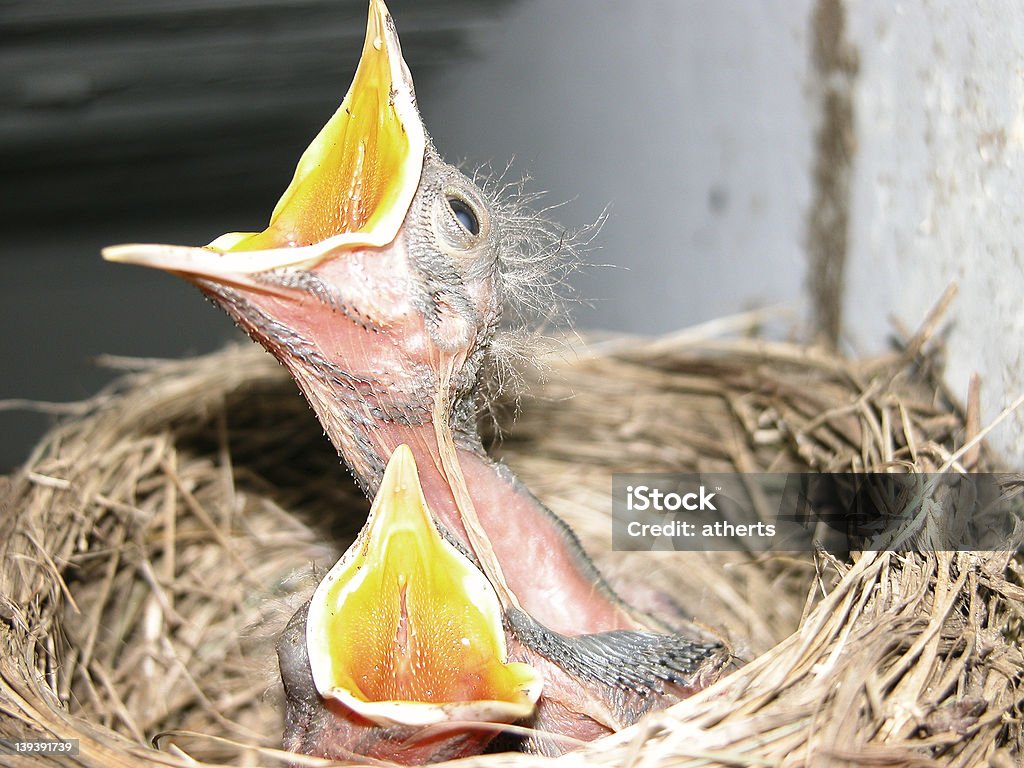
404 630
241 269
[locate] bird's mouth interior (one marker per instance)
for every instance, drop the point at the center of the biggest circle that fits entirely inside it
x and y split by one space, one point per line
352 187
361 170
406 629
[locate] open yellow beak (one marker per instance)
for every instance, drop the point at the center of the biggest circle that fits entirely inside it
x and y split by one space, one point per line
404 630
352 187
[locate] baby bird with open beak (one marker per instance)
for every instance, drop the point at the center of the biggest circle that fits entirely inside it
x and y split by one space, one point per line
402 638
379 283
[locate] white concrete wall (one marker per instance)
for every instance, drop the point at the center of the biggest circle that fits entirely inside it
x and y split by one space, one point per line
938 189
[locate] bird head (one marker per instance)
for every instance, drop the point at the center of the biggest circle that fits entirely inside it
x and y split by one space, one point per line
376 281
403 642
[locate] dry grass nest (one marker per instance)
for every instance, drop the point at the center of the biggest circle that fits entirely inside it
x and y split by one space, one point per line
157 540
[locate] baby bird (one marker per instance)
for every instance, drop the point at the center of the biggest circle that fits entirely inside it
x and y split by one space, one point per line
379 283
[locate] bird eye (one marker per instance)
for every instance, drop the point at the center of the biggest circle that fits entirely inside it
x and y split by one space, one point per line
465 215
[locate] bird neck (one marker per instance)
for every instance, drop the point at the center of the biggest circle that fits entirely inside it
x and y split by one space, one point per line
482 504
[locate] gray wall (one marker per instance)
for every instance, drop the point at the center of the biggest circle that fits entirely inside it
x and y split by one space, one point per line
687 120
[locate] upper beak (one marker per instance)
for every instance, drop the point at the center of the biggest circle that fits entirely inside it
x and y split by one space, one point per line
352 187
404 630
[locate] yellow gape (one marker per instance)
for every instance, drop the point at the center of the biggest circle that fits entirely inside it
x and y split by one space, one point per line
364 164
352 186
405 629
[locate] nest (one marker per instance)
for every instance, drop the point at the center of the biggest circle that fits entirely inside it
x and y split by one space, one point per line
158 539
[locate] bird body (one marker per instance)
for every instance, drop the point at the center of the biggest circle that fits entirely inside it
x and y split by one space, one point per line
380 283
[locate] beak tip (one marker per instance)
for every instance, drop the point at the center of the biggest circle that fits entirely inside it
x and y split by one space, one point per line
142 254
401 473
379 11
115 253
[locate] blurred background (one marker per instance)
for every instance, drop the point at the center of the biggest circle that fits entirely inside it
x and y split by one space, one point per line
847 163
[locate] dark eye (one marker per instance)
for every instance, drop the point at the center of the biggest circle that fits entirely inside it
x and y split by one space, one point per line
465 215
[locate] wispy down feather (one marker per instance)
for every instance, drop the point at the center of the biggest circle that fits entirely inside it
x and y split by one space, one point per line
536 259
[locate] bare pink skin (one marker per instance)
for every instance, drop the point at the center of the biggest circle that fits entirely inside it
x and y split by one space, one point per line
369 369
